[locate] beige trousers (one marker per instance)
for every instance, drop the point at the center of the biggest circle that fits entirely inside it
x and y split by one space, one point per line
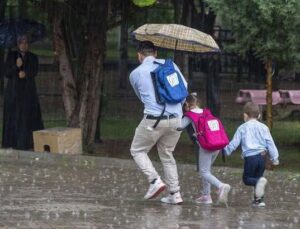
165 136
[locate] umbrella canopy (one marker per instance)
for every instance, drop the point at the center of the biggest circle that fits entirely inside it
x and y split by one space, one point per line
177 37
11 29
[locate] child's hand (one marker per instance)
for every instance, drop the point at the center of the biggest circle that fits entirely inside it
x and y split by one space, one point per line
271 164
223 155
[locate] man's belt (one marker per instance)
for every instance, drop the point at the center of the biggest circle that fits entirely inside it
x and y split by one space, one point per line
164 117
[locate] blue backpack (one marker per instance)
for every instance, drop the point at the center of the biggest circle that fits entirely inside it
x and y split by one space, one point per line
168 85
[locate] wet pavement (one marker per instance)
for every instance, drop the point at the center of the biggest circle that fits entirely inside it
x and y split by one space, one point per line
40 190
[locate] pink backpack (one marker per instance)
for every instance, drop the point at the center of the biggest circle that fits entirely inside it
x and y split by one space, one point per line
210 132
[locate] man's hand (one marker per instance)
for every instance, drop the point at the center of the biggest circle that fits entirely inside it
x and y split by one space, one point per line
19 62
22 74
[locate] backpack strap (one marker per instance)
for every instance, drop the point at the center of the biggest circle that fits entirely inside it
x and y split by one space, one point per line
159 118
159 62
206 111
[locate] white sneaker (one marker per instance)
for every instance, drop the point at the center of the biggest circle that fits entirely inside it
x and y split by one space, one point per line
223 193
259 203
172 198
155 189
260 187
204 199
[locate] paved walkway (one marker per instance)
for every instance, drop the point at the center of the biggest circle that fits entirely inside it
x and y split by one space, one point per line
58 191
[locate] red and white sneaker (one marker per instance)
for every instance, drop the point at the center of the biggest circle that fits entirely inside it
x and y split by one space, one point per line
155 189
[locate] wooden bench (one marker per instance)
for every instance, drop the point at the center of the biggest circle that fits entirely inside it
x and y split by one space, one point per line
257 97
290 96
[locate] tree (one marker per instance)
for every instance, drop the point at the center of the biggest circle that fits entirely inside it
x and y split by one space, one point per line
2 14
269 28
123 60
79 33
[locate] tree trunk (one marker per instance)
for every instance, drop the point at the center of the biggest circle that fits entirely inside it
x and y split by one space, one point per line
268 66
2 14
82 80
68 84
93 69
213 84
22 8
124 46
177 7
182 59
239 69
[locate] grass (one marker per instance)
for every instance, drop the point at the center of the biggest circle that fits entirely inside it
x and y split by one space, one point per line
286 136
284 133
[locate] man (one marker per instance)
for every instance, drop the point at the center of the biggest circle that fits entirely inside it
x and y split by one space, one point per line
165 135
21 112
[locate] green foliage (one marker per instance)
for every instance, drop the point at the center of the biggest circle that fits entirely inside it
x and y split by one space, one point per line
143 3
269 28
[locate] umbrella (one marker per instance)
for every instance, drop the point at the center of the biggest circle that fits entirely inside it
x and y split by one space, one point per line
177 37
12 28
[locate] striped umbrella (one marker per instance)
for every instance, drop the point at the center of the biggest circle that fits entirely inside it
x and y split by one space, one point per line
176 37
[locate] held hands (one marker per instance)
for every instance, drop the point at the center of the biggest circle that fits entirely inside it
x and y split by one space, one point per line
19 62
223 153
22 74
271 164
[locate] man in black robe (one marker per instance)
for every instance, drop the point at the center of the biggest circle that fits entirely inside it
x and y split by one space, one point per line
21 113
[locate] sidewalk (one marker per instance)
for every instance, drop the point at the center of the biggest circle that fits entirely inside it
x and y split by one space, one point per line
40 190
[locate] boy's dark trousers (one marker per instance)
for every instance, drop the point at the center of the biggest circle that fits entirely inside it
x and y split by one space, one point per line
254 167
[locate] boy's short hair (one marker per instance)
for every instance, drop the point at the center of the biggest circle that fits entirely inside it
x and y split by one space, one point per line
146 48
251 109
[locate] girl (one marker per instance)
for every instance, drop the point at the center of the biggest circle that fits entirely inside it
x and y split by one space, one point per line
206 158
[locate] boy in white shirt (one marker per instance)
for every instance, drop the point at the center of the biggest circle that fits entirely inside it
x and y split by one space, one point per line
255 139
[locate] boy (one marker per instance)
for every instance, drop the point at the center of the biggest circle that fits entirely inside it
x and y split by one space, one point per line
254 138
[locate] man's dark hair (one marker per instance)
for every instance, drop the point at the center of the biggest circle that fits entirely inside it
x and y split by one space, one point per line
146 48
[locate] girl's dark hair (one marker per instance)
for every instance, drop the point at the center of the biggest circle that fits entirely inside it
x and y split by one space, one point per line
193 99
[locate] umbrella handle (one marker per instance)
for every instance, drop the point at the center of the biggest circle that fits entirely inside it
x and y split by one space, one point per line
175 49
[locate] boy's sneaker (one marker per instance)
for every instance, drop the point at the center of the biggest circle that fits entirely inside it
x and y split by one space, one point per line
155 189
260 187
174 198
204 199
223 193
259 202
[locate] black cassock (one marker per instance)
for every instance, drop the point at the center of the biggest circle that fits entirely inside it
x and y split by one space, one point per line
21 113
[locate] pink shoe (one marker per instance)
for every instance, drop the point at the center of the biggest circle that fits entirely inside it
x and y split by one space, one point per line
204 199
